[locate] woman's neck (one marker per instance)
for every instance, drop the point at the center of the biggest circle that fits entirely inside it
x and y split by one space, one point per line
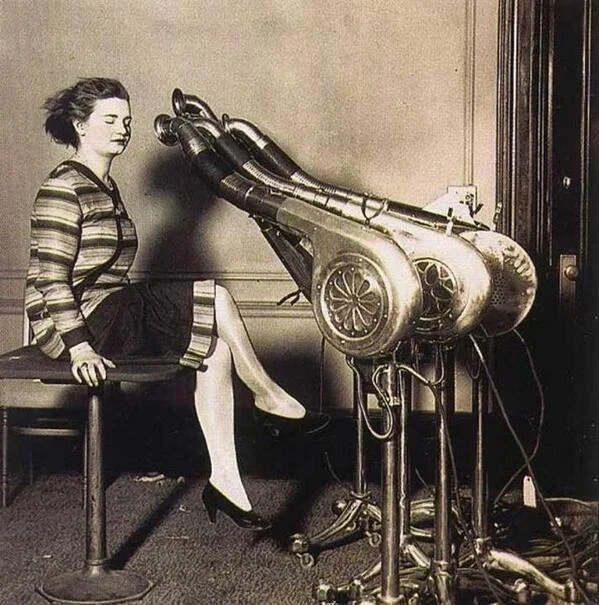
99 165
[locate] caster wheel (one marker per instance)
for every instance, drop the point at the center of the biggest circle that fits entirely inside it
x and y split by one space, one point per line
374 540
338 506
323 593
299 544
307 560
355 591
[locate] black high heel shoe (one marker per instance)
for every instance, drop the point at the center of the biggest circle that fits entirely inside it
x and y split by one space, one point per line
215 501
309 424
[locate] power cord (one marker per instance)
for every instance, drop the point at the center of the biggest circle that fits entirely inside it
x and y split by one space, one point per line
322 386
541 421
464 526
527 462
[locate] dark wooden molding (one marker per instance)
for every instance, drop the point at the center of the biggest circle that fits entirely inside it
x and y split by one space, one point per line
523 107
528 86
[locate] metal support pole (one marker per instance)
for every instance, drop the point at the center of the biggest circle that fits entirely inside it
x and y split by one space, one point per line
492 558
95 538
404 458
479 490
444 401
360 468
4 479
390 545
396 511
95 583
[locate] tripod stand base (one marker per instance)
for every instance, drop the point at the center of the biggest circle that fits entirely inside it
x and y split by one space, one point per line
97 587
357 516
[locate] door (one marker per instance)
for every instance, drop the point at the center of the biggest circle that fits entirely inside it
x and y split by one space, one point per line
545 179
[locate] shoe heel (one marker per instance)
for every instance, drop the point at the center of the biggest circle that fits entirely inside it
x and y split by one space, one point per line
215 501
211 509
211 515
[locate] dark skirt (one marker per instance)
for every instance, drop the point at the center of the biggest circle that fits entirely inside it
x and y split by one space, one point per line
169 319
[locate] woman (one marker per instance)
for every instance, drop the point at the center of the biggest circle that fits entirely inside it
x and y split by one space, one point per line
81 304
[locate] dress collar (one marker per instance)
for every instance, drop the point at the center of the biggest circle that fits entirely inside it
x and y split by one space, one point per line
90 174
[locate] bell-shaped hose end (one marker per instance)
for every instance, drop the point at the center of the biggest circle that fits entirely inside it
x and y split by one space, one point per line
190 105
178 101
163 130
225 121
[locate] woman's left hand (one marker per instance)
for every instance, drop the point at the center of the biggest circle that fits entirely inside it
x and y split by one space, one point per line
87 365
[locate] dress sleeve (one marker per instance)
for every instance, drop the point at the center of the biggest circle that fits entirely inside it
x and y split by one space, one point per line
57 220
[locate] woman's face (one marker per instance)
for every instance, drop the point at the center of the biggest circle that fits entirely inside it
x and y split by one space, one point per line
107 130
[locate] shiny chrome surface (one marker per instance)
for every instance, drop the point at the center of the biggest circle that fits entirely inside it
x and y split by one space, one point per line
184 104
365 293
469 276
455 282
495 288
514 280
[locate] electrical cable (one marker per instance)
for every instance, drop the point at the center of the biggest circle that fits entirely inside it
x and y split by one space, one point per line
479 576
556 526
425 485
466 529
434 387
321 389
536 447
383 400
547 553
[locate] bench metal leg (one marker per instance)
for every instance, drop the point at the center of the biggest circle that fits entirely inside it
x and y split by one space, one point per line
84 470
95 583
4 478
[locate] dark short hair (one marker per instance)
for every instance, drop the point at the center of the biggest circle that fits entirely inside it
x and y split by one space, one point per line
77 103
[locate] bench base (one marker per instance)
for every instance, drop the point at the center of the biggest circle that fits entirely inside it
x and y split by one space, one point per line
95 586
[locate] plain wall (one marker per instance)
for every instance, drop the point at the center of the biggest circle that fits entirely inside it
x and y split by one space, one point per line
394 98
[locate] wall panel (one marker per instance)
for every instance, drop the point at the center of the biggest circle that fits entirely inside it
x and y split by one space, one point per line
370 95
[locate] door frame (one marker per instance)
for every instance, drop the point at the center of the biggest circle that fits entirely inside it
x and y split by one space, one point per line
525 183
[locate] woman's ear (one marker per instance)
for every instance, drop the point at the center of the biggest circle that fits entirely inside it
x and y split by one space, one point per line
79 127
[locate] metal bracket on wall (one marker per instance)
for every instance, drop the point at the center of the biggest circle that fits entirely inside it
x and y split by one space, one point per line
459 203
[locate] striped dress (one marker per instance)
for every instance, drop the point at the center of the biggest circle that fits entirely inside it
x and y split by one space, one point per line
83 244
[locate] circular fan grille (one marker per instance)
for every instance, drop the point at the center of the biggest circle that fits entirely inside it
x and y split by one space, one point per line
354 298
439 287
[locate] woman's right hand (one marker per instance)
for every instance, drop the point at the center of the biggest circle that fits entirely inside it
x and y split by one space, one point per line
87 365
